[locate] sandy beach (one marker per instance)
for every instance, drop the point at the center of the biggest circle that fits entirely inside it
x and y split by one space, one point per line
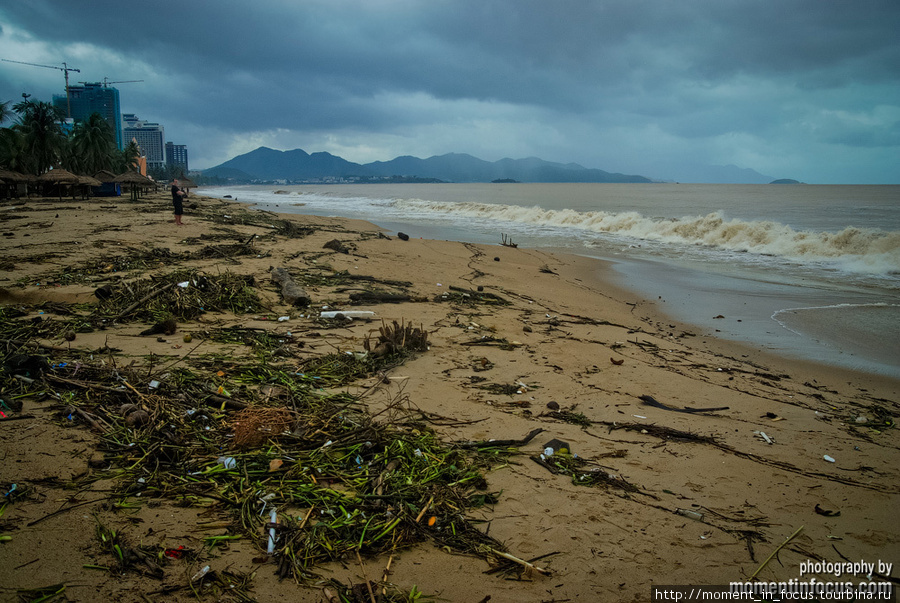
680 459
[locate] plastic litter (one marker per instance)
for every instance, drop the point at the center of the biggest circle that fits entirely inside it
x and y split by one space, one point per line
283 318
690 514
199 575
555 446
765 437
273 519
228 462
828 458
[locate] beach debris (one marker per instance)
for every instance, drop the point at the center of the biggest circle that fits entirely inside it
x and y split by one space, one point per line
200 575
347 314
775 552
137 418
564 463
618 362
764 437
292 293
379 297
718 316
496 259
828 458
397 338
826 512
482 364
167 327
529 568
501 443
507 241
557 446
402 236
651 401
340 247
552 405
690 514
254 426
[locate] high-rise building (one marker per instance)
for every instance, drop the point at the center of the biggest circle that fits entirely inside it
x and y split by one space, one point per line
149 136
94 98
177 157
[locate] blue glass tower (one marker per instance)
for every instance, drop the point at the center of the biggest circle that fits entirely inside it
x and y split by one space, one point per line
94 98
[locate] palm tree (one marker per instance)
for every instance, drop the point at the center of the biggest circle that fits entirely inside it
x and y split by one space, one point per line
12 150
127 158
5 112
42 136
92 146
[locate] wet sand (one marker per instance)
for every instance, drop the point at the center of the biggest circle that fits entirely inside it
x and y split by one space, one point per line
710 497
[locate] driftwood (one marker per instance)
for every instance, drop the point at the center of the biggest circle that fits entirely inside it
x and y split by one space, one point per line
501 443
373 297
651 401
292 293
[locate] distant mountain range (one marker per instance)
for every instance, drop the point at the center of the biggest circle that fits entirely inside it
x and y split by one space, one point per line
270 165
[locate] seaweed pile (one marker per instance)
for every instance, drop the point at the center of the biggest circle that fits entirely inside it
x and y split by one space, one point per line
306 473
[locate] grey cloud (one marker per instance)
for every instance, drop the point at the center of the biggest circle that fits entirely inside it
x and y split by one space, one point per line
691 70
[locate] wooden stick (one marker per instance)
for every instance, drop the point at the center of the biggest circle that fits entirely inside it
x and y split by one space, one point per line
362 568
385 574
305 519
527 565
769 558
425 508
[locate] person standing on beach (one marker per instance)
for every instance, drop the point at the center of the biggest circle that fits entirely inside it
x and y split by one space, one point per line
177 201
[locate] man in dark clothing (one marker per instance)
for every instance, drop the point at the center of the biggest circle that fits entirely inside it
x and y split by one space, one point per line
178 202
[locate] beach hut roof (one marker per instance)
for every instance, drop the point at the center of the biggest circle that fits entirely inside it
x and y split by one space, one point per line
105 176
187 183
89 181
58 175
11 176
132 178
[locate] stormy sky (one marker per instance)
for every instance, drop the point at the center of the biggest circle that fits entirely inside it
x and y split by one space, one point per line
804 89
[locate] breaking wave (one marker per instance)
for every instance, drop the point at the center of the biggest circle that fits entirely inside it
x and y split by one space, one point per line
865 250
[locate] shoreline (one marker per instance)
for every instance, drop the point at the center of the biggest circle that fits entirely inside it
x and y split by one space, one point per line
568 352
747 301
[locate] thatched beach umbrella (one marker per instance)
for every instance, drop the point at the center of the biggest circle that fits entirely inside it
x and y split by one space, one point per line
59 176
11 176
86 182
187 184
105 176
134 181
12 179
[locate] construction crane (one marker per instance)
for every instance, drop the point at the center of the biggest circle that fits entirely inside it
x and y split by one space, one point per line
106 82
65 69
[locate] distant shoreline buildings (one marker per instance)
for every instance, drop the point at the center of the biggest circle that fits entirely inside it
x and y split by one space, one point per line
97 97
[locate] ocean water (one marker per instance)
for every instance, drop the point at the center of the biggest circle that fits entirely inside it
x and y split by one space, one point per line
806 271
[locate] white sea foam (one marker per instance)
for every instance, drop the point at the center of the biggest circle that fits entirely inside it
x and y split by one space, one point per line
864 250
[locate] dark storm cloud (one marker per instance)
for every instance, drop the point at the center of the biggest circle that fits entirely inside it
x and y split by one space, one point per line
692 70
